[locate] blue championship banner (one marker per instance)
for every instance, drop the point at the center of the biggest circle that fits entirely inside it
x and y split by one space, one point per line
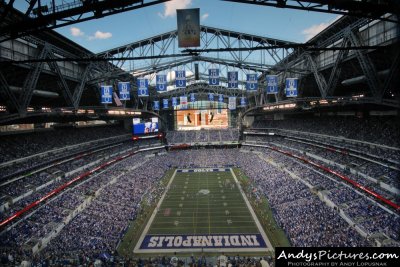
251 82
233 79
210 96
221 98
291 87
243 101
183 102
165 103
143 87
180 79
337 256
232 103
272 84
156 105
124 89
213 76
174 102
188 27
161 83
106 94
192 98
203 241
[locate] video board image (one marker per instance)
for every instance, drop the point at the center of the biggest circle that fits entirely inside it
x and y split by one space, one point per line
145 126
198 119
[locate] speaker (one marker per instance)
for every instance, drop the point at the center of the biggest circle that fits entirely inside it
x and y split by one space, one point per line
196 71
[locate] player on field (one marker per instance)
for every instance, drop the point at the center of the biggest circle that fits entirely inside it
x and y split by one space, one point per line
222 260
174 260
264 263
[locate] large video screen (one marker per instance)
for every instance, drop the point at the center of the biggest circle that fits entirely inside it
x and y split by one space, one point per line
145 126
202 119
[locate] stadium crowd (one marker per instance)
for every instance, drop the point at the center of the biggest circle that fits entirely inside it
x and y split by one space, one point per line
202 136
54 146
373 129
342 195
366 171
26 144
84 238
21 192
109 200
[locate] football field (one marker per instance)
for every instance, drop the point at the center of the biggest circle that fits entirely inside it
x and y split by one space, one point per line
203 210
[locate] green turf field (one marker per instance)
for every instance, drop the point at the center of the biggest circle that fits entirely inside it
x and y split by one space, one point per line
207 204
203 203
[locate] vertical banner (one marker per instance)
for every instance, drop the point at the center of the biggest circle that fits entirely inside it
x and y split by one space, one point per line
165 103
180 79
272 84
251 82
161 83
183 102
188 27
124 89
106 94
192 98
174 102
291 87
210 96
213 76
143 87
232 103
233 79
243 101
156 105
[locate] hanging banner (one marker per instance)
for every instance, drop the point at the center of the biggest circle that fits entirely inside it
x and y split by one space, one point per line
180 79
213 76
221 98
272 84
188 27
183 102
243 101
165 104
251 82
192 98
210 96
143 87
232 103
156 105
124 89
161 83
291 87
174 102
233 79
106 94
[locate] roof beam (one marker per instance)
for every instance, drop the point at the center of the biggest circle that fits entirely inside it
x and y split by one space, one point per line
62 84
70 13
367 9
31 81
5 92
367 66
